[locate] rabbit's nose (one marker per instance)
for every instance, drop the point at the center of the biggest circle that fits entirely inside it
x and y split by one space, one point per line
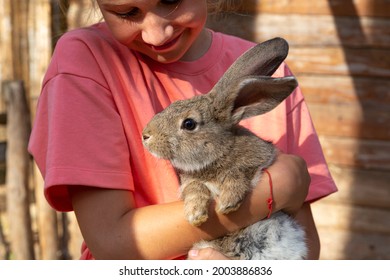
145 137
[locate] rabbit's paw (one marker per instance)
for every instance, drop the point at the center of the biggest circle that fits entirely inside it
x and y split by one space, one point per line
228 202
195 213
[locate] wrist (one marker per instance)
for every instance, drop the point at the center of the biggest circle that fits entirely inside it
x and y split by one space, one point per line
291 182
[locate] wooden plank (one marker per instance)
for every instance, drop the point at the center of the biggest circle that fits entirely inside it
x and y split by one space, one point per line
339 61
6 54
366 188
47 224
18 131
308 54
324 30
75 237
341 244
40 50
5 250
353 218
2 198
82 13
20 42
351 120
327 89
356 153
307 30
239 25
39 37
375 8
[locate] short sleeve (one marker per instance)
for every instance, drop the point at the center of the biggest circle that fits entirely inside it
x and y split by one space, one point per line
76 132
302 140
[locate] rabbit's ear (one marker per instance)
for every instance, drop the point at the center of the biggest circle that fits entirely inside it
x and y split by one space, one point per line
259 95
261 60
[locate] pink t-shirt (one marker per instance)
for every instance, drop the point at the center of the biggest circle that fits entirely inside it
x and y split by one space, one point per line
98 95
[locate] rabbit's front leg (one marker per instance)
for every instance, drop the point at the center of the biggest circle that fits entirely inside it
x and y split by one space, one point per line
196 198
232 193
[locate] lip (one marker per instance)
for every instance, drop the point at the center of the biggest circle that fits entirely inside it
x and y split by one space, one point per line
167 46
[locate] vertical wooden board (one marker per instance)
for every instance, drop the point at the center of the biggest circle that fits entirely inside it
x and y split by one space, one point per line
75 237
20 43
6 53
40 50
18 210
82 13
39 38
46 221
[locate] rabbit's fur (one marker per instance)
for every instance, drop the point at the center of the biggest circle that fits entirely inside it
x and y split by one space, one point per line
216 157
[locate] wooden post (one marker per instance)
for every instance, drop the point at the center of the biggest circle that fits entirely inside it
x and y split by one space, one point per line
5 250
40 50
6 53
75 237
46 221
18 131
82 13
20 44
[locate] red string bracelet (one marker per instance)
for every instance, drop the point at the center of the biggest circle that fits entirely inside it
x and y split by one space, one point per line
270 200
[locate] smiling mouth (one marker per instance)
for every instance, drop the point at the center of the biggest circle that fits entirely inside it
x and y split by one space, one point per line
166 46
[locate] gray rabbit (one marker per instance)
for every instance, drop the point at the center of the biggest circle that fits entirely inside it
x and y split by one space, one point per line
216 157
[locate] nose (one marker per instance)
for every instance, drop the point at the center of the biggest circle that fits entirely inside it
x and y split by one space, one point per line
156 30
145 137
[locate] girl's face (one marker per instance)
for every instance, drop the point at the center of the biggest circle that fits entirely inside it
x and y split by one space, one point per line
164 30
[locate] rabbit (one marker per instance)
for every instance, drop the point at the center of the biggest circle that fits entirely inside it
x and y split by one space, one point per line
216 157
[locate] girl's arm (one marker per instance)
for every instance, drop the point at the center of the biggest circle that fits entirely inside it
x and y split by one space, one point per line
114 228
305 217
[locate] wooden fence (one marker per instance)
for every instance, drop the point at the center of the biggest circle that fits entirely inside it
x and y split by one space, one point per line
340 52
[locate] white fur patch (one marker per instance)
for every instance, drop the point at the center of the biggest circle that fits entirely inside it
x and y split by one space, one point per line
213 189
190 167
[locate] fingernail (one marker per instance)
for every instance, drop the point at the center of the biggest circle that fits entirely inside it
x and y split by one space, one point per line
193 253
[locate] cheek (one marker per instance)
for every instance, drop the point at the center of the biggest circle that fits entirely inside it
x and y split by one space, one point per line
194 17
124 33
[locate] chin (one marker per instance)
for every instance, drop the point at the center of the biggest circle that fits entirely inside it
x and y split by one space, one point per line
174 54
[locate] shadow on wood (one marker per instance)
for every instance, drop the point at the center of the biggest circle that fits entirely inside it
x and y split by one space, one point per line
365 240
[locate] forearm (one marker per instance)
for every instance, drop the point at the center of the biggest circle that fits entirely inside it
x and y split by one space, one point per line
305 217
168 228
114 229
162 232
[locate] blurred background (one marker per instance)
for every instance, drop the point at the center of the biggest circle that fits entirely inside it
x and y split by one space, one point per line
340 53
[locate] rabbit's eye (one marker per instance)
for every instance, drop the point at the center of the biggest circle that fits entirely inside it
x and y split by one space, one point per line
189 124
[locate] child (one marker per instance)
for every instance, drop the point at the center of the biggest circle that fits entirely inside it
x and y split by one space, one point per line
104 84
